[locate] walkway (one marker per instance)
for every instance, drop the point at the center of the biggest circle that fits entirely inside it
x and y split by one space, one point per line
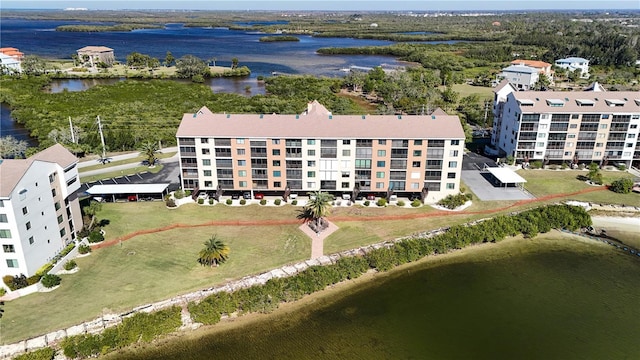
317 244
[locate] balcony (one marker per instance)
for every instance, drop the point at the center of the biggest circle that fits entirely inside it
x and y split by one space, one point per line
188 154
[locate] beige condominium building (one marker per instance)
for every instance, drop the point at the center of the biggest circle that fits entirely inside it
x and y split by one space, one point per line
317 150
39 209
568 126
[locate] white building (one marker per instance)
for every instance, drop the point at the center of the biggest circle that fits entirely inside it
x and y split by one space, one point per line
575 63
39 209
522 77
9 64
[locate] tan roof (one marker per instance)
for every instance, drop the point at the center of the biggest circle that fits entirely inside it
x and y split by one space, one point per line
502 84
579 101
12 170
532 63
317 122
95 49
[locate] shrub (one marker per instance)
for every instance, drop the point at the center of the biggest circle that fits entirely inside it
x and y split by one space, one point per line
263 201
40 354
416 203
453 201
200 201
400 203
243 201
294 202
622 167
70 265
536 164
469 196
3 291
51 280
33 279
210 201
621 186
171 203
381 202
15 282
510 160
229 202
187 193
167 197
44 269
96 236
564 166
366 203
277 201
84 249
178 194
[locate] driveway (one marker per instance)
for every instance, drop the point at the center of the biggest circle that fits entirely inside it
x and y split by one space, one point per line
480 184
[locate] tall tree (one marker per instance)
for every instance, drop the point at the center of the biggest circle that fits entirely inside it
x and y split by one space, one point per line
189 66
234 63
92 210
149 149
318 206
33 65
10 147
215 252
169 59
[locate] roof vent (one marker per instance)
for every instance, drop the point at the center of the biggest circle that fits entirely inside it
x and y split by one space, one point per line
433 117
330 117
228 116
297 116
399 117
194 115
261 116
363 117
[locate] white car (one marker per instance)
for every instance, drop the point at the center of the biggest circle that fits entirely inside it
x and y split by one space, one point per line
203 195
346 197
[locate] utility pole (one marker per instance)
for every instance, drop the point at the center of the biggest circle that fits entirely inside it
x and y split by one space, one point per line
486 109
73 136
104 151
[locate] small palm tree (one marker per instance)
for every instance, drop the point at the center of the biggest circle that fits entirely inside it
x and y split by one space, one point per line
149 150
319 206
214 253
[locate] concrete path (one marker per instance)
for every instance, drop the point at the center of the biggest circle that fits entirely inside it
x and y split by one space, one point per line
123 167
317 244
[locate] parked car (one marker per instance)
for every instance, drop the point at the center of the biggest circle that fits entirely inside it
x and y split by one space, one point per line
293 196
259 196
346 197
371 197
359 196
203 195
414 196
235 196
132 198
246 195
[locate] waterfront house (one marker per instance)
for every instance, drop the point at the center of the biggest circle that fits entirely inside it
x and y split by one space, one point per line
93 55
541 66
9 65
522 77
573 64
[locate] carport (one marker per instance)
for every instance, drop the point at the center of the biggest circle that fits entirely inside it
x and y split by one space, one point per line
123 191
503 176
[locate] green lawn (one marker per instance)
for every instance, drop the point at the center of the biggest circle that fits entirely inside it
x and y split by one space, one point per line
137 159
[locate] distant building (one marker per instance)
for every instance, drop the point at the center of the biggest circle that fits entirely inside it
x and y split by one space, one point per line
93 55
541 66
9 65
573 64
39 209
13 52
520 76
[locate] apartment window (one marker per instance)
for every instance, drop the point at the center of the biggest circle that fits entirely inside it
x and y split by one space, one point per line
242 162
540 144
204 140
63 232
541 135
631 136
379 185
455 142
5 234
243 184
346 142
239 141
382 152
206 151
241 151
453 153
628 145
31 241
632 126
542 126
8 248
345 185
417 142
415 164
380 164
25 211
23 194
311 152
60 219
346 174
242 173
277 173
275 141
453 164
380 174
275 152
417 152
3 218
277 184
52 177
605 116
28 225
571 136
206 162
311 174
573 126
598 144
311 163
1 203
12 263
382 142
276 162
603 126
346 152
566 153
53 192
311 142
207 173
575 116
451 186
415 186
451 175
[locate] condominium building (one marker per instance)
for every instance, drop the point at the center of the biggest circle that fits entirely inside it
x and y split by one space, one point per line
39 209
317 150
575 126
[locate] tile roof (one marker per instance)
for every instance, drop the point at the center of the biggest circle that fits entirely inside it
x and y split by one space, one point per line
12 170
520 69
95 49
532 63
318 122
578 101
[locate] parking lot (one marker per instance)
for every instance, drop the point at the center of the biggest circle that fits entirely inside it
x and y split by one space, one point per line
481 185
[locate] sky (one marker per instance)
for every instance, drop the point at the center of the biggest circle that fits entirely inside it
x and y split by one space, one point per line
351 5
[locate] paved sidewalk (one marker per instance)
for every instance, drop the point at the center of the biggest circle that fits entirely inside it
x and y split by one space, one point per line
317 245
123 167
131 155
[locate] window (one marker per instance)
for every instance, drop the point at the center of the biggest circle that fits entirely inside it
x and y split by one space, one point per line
417 142
417 152
540 144
5 234
605 116
311 142
23 194
52 177
277 184
363 164
382 152
631 136
206 151
311 174
345 185
275 141
575 116
241 151
206 162
451 175
3 218
346 152
12 263
204 141
380 164
455 142
573 126
1 203
382 142
8 248
242 162
277 173
632 126
380 174
31 240
415 164
276 162
571 136
243 184
598 144
453 153
63 232
60 219
628 145
379 185
242 173
239 141
275 152
451 186
453 164
346 142
311 163
311 184
53 192
25 211
311 152
28 225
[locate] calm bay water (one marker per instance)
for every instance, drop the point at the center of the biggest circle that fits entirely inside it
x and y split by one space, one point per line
539 299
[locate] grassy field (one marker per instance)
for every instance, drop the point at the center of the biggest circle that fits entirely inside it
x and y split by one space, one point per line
137 159
466 90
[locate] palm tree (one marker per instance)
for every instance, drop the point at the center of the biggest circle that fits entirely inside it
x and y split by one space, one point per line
92 210
214 253
149 150
318 206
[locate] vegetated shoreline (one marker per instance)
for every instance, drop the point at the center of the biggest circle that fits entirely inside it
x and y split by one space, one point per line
513 246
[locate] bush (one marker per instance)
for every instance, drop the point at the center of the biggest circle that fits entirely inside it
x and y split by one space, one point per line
229 202
40 354
33 279
44 269
366 203
171 203
70 265
210 201
622 167
243 201
400 203
95 236
536 164
187 193
3 291
510 160
51 280
200 201
564 166
15 282
84 249
453 201
277 201
381 202
294 202
621 186
263 201
178 194
416 203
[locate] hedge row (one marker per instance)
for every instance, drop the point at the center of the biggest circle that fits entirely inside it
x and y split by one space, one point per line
40 354
267 297
139 327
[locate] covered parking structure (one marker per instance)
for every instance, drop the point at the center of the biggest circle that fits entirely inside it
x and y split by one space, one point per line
505 177
128 192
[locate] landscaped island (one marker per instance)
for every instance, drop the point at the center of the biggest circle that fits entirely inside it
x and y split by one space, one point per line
278 38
